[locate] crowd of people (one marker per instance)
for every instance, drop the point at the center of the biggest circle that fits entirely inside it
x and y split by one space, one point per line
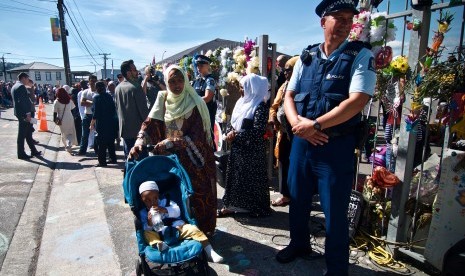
321 94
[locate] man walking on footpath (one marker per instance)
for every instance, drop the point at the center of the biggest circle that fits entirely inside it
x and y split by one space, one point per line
22 105
131 105
331 84
86 102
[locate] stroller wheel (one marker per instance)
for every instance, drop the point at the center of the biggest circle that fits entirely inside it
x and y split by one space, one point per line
138 268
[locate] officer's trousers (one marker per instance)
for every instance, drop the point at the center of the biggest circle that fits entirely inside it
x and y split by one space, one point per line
328 169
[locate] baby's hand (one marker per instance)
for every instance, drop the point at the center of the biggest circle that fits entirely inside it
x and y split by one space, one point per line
161 210
149 219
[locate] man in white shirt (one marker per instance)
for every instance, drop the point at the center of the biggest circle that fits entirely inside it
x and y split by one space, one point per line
85 100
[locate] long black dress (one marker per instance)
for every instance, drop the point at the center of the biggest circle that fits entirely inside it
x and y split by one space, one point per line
104 114
246 177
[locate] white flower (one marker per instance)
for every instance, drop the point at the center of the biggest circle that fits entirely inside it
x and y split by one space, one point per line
233 76
224 92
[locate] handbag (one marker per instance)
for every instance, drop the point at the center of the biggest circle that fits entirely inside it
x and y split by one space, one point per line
58 120
282 119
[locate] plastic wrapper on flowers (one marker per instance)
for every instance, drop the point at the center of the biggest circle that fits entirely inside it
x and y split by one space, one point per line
383 178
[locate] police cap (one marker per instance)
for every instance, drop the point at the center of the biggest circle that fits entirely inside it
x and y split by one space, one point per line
329 6
201 59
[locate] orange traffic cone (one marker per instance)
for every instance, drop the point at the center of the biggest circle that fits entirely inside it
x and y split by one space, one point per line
41 107
43 119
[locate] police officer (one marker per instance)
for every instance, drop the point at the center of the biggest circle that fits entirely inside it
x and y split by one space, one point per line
205 85
330 85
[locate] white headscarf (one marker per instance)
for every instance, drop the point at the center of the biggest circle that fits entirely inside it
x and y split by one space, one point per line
255 92
67 88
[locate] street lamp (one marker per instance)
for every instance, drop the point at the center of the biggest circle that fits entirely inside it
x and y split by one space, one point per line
163 55
4 69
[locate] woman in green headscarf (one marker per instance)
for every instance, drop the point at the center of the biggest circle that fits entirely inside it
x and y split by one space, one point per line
179 123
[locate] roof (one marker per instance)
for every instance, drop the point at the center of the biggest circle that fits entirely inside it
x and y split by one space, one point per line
210 45
36 66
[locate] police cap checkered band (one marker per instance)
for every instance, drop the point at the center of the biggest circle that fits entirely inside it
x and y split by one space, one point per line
328 6
201 59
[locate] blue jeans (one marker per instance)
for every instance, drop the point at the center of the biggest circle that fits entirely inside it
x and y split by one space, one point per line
85 133
328 170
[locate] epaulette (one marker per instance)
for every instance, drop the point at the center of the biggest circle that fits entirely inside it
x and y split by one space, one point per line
306 55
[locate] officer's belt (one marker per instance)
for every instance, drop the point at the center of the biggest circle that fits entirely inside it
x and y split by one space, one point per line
333 132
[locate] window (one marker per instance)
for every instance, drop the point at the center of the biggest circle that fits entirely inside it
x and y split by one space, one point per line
37 76
48 76
58 76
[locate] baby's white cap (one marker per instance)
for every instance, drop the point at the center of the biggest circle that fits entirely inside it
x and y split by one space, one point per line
148 186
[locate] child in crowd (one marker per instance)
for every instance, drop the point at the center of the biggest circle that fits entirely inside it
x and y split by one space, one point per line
170 214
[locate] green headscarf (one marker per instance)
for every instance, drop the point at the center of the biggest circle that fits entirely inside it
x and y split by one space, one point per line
177 106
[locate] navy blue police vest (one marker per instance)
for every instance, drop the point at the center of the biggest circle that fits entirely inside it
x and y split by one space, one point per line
324 84
200 85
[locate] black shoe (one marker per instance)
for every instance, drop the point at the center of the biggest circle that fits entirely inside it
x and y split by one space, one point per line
36 154
24 157
289 253
81 154
36 141
112 162
101 165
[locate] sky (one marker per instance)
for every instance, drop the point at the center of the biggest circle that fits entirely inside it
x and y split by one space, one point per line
143 29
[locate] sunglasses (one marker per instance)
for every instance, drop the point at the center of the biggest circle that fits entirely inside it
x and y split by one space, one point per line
288 70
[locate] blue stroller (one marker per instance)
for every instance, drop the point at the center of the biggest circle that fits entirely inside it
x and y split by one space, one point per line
185 258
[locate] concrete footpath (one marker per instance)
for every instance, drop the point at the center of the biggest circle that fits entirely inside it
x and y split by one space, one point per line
75 222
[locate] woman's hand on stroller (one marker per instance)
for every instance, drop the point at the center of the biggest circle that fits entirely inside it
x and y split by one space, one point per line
134 152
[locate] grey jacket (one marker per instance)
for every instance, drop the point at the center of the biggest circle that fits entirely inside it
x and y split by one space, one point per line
131 105
21 101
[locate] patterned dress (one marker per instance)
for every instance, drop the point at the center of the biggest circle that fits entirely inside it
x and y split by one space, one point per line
203 177
246 176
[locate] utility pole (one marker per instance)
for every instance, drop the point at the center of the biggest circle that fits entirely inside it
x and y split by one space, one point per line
64 43
4 68
105 64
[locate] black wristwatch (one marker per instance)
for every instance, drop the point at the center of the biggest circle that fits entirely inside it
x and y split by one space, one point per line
316 125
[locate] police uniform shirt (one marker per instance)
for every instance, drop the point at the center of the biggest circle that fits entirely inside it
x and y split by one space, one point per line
203 84
363 75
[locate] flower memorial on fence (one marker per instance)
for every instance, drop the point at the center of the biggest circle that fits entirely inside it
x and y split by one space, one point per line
227 67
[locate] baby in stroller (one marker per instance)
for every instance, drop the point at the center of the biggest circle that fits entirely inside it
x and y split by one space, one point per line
163 225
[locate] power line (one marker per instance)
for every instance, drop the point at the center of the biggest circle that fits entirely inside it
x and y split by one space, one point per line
84 34
80 44
21 10
83 56
31 5
85 24
80 37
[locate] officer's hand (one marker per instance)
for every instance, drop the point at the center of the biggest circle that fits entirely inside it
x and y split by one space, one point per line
134 153
319 138
304 129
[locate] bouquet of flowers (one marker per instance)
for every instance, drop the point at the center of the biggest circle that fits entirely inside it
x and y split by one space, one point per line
398 66
360 27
